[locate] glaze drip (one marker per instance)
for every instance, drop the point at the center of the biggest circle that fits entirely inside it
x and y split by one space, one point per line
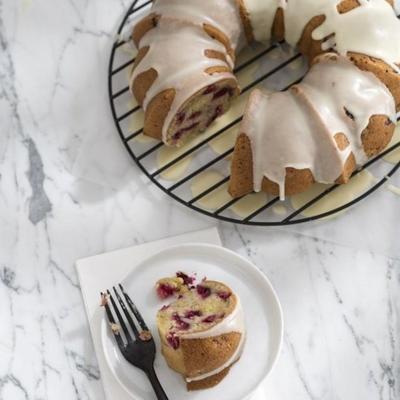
262 15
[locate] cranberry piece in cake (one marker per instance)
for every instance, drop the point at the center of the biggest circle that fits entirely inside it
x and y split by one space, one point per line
210 89
187 280
193 313
164 291
169 287
182 325
209 319
224 295
203 291
173 341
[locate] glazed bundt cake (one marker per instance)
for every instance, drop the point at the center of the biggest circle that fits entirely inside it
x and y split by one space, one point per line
182 75
183 79
341 114
335 119
202 332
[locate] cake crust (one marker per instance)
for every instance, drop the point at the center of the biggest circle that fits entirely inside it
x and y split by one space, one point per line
209 382
202 356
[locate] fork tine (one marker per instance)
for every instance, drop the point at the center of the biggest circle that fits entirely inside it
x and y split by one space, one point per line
134 309
111 319
120 319
126 312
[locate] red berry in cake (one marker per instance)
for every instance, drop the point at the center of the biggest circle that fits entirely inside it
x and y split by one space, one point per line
210 89
169 287
193 313
173 341
203 291
164 291
224 295
182 325
223 92
178 135
210 319
187 280
180 117
195 115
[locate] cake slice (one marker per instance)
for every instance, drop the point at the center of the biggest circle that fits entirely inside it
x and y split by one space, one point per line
202 331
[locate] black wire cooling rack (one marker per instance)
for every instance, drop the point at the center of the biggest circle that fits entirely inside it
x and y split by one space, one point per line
144 153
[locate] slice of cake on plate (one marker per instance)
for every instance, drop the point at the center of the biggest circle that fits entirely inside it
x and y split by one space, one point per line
202 331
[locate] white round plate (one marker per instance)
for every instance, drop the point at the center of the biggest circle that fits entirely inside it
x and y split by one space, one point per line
262 311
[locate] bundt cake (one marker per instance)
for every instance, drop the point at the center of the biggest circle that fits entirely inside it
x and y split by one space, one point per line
335 119
202 331
183 78
341 114
182 74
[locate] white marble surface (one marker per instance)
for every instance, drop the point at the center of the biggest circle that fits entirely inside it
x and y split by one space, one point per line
69 190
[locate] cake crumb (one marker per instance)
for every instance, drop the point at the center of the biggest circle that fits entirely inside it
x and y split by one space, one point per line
145 336
115 328
104 299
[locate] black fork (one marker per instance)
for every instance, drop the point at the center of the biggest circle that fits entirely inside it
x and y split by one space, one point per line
139 350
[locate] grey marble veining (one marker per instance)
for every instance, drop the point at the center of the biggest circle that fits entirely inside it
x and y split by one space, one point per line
69 190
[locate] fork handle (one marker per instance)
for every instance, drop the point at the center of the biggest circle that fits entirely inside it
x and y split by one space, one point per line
151 374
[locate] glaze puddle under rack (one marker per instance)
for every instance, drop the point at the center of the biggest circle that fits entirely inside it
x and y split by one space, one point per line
271 67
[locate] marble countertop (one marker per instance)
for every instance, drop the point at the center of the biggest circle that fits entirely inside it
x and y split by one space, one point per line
69 190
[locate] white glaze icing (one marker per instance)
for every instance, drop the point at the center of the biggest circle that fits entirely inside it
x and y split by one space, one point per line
248 204
280 209
340 196
234 322
317 113
223 15
218 197
262 14
166 154
173 38
297 13
370 28
394 189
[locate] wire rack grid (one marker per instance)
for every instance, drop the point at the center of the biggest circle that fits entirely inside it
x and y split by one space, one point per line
144 153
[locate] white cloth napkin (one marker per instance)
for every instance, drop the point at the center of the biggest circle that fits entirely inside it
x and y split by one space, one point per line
99 272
